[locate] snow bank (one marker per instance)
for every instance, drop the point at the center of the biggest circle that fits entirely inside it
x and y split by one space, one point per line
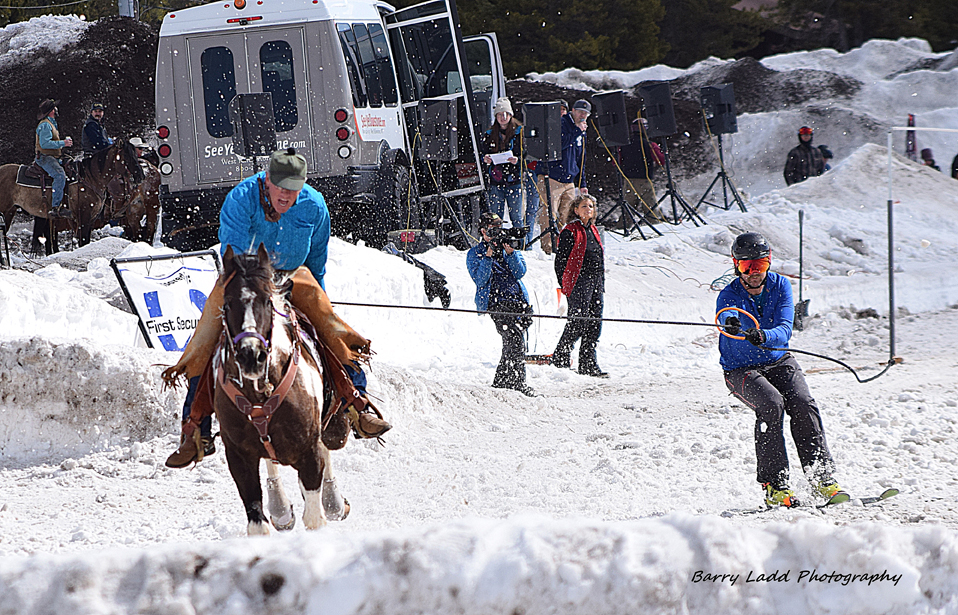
18 41
528 565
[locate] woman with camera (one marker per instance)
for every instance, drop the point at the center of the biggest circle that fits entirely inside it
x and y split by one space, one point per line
580 269
496 267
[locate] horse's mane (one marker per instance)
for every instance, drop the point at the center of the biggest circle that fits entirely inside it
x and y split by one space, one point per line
129 157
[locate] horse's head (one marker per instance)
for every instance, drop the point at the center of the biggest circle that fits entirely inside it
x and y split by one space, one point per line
248 309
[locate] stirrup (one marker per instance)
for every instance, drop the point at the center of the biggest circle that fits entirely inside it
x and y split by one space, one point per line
367 424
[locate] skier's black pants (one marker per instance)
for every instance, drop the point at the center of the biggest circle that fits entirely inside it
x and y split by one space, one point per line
585 300
771 391
511 373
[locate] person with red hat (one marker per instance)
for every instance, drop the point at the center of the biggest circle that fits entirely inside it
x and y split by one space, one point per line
803 161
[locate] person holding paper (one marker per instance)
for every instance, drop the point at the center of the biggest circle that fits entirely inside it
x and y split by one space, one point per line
501 148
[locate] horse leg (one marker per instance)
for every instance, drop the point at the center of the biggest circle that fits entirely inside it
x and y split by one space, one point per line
280 510
311 485
40 229
245 472
335 505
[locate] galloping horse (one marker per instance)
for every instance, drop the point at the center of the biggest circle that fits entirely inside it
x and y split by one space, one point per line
269 398
85 198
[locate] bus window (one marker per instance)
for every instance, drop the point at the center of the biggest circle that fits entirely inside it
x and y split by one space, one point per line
370 66
431 55
219 88
479 61
390 96
276 66
352 64
408 86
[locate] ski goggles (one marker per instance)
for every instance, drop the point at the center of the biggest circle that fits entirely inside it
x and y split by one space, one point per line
804 130
752 266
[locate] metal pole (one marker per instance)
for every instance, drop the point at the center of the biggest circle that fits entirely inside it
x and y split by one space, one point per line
801 249
891 261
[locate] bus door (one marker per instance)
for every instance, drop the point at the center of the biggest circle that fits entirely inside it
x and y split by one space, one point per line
430 64
218 72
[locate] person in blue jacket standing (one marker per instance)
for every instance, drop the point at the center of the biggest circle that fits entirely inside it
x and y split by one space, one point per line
497 268
761 373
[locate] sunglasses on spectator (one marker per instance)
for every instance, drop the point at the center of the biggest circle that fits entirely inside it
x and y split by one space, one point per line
749 267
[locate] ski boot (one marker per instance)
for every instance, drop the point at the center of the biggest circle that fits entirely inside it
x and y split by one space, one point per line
779 494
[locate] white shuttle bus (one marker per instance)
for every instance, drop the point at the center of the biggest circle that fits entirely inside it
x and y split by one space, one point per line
346 79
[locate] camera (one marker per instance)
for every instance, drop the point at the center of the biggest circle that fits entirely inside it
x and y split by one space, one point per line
498 236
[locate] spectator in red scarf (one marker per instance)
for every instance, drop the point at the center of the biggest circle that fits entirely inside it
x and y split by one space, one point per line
580 269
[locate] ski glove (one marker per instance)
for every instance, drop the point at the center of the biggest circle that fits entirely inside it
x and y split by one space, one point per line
733 326
755 336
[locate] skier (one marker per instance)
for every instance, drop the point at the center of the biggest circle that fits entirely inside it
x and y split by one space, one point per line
770 382
803 161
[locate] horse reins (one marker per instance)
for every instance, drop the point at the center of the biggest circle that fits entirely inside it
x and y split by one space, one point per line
258 414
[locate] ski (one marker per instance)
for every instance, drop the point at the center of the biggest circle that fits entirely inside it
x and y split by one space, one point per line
539 359
887 493
839 498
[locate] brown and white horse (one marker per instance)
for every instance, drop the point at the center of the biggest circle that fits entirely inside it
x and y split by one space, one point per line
269 399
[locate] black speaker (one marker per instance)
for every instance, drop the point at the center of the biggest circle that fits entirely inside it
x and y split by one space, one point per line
438 129
254 127
718 108
608 112
542 130
658 109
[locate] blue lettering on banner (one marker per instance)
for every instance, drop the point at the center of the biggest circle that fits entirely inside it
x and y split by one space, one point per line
152 301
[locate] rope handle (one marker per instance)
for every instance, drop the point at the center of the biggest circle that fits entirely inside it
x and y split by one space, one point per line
721 327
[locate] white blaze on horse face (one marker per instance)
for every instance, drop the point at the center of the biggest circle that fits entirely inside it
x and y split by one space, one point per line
247 296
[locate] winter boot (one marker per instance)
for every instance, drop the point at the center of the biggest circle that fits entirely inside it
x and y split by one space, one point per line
193 447
827 487
779 494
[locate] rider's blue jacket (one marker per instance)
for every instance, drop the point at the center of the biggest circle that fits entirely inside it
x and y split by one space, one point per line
774 311
300 237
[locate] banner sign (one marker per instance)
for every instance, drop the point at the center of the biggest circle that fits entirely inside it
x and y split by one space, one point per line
168 293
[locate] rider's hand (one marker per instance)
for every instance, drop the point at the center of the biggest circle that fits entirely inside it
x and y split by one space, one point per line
68 142
733 326
755 336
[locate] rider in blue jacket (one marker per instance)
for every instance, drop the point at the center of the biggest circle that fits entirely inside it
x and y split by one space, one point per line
761 373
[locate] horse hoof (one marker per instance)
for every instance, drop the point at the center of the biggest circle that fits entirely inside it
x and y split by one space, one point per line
345 509
257 528
285 523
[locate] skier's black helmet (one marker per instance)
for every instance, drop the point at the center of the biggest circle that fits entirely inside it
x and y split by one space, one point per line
748 246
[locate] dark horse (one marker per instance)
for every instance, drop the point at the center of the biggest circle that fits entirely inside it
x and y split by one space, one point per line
100 176
269 398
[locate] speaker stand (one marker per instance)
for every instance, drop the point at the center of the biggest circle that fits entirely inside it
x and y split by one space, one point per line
674 196
553 232
727 186
443 211
631 219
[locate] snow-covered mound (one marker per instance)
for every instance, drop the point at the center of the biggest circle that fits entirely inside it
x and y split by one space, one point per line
51 33
530 565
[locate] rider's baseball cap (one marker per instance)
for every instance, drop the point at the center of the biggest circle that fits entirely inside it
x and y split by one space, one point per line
97 106
287 169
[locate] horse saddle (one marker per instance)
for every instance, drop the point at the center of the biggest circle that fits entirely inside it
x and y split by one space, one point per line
34 176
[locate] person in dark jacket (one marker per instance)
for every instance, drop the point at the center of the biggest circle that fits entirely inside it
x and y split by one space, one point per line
928 159
562 174
497 269
505 178
804 160
954 167
770 382
580 269
94 136
638 161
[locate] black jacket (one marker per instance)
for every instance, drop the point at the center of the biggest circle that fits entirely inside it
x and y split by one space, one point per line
94 137
803 162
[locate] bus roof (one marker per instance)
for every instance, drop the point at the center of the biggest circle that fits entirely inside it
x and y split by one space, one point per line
224 16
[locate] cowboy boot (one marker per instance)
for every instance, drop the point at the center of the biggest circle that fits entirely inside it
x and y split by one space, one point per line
200 348
193 447
367 423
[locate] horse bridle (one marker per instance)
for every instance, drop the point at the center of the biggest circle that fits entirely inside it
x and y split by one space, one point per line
258 414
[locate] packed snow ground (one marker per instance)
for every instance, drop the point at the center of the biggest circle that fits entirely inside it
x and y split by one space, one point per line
603 496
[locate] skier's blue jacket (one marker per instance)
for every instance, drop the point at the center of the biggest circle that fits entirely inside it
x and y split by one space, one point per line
774 311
